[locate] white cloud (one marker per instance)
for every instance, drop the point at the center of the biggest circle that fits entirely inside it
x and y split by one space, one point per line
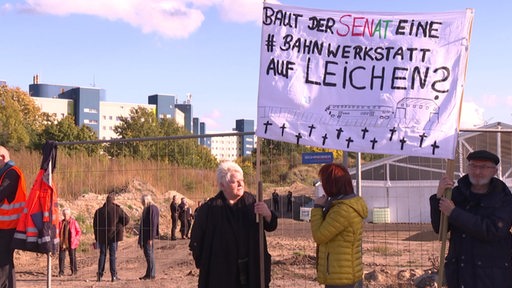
242 10
472 115
6 7
168 18
211 119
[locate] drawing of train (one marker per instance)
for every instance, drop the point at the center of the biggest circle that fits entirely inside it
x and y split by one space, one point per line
382 112
418 112
409 112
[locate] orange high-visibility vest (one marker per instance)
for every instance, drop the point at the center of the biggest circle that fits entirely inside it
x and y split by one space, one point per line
10 213
34 230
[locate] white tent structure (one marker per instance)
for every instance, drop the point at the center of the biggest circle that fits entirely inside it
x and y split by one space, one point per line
397 188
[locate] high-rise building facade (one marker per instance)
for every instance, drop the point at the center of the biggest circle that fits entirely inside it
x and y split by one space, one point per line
246 142
87 106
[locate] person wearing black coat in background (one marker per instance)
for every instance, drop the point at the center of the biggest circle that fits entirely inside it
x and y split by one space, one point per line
109 222
174 217
149 230
183 215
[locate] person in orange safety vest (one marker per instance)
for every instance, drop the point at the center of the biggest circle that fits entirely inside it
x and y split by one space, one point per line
12 203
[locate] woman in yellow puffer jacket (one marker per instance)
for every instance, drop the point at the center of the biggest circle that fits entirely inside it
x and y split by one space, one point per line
337 228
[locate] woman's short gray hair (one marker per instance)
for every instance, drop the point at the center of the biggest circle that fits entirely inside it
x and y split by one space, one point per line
66 211
225 170
146 200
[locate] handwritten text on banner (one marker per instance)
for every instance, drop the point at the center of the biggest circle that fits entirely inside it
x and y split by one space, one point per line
387 83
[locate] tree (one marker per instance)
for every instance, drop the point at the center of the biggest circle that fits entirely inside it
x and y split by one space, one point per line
143 123
65 130
20 118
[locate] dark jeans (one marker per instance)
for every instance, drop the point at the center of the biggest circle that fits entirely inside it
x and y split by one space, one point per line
150 259
7 273
112 248
174 226
183 228
7 276
72 260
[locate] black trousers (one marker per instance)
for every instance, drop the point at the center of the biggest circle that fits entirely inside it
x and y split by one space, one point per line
174 227
7 273
72 260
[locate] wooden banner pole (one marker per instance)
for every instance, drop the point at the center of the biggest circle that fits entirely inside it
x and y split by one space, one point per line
443 226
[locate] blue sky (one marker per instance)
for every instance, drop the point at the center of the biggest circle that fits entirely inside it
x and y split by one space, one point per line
209 48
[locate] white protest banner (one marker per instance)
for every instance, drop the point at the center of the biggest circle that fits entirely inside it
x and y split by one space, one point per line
386 83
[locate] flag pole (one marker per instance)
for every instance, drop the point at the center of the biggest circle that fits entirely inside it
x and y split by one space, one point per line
443 225
259 218
48 255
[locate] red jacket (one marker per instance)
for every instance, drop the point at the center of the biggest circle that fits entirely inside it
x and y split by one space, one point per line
74 232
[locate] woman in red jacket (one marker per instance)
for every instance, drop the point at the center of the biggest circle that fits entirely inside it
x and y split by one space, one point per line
69 239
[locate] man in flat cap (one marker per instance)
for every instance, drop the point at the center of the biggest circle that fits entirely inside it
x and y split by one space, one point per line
479 220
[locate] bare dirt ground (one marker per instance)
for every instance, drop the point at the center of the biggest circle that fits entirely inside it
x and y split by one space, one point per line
389 253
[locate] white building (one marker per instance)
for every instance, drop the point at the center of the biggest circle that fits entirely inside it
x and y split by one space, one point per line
226 147
110 113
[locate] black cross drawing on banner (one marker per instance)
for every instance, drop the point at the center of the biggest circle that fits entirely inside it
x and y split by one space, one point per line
365 130
422 137
374 141
339 130
266 124
402 143
393 131
434 147
298 136
311 128
283 127
325 139
349 140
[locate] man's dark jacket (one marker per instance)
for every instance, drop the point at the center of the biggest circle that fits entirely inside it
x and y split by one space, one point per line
217 233
479 254
109 222
149 224
174 211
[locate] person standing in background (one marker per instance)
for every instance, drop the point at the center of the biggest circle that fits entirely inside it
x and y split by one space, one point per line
337 226
109 222
275 200
12 200
148 232
174 217
190 218
289 202
182 215
69 234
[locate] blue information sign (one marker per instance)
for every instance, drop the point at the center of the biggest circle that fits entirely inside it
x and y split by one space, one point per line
317 158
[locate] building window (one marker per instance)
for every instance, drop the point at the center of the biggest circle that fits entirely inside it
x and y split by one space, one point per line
90 110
